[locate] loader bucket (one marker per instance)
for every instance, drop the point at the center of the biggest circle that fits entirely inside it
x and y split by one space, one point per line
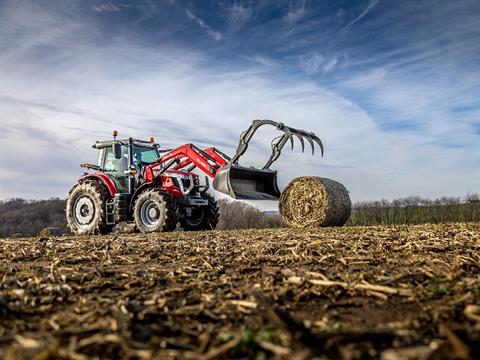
247 183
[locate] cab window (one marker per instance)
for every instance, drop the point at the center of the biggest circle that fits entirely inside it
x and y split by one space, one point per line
144 154
100 158
116 167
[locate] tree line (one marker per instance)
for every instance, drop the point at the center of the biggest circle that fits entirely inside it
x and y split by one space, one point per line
416 210
25 218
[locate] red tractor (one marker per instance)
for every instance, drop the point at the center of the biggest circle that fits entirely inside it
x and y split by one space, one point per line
136 181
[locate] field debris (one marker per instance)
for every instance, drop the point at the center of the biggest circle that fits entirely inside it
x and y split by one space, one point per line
327 293
312 201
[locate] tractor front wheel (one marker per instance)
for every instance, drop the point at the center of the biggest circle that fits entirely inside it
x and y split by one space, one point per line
202 218
85 210
154 210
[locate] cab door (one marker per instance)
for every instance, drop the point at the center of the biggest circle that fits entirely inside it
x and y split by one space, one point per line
115 168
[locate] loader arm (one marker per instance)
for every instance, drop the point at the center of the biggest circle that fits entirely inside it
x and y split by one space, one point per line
182 156
228 176
220 158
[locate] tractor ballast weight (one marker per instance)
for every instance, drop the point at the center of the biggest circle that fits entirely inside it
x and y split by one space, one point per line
251 183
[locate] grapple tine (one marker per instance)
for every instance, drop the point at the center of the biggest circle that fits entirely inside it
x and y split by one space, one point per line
287 132
300 137
277 143
309 139
318 141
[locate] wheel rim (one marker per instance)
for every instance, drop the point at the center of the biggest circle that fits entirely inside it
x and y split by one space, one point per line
83 211
196 218
150 213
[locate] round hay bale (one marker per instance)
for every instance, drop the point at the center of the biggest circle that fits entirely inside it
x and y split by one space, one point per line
311 201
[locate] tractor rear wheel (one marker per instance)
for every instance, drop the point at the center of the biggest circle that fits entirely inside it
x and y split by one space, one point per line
85 208
202 218
154 210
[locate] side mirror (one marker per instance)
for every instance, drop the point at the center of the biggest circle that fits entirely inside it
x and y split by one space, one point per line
117 150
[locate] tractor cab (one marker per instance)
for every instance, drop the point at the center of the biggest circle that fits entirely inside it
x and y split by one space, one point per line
114 161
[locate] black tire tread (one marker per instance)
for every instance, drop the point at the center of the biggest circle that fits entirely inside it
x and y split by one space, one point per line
168 204
100 194
211 216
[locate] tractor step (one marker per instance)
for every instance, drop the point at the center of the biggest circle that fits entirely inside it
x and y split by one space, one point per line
120 205
109 212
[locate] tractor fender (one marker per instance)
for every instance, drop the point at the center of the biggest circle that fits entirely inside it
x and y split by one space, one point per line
104 179
154 184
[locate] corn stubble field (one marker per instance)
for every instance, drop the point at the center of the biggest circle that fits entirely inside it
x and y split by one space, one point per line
354 292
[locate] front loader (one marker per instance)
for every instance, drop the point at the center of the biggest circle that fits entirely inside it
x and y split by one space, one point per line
136 182
259 184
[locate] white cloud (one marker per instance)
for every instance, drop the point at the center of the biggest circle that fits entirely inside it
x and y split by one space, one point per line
329 66
54 106
370 6
367 80
296 10
262 60
314 62
108 7
238 15
311 63
212 33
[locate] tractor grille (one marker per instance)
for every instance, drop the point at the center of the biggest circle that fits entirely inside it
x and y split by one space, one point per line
175 182
186 183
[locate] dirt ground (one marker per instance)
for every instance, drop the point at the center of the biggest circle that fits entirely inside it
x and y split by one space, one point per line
349 293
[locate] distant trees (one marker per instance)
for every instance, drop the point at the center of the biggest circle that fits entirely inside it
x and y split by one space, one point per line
416 210
239 215
28 218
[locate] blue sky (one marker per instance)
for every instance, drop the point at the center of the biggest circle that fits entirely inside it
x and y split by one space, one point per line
391 87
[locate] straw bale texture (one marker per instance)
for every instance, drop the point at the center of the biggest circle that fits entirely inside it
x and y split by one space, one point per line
311 201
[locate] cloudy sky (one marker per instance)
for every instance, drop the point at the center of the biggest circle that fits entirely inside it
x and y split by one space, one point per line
391 87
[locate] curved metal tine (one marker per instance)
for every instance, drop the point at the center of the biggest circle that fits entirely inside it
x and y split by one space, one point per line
299 136
318 141
287 132
309 139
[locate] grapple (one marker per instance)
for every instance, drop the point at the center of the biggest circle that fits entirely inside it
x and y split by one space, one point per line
252 183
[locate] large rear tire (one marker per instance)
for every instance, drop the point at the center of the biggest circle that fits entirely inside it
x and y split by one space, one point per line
154 210
85 210
202 218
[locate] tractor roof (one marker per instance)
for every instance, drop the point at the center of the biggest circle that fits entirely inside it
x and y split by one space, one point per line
144 143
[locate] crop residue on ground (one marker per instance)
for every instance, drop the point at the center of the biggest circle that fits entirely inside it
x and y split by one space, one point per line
356 292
